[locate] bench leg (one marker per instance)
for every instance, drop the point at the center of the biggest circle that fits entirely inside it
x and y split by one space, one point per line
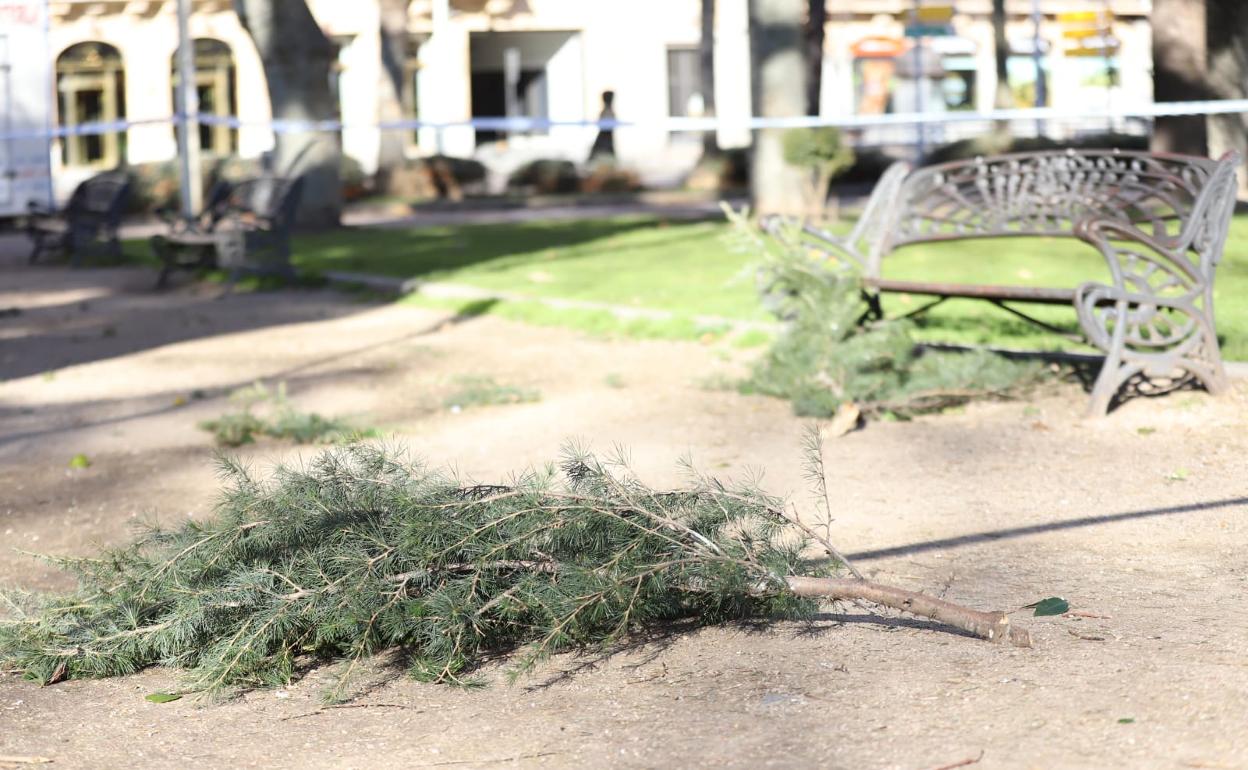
160 249
39 242
1114 374
1201 360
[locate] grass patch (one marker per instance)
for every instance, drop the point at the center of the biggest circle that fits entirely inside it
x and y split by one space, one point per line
281 421
475 390
593 322
636 261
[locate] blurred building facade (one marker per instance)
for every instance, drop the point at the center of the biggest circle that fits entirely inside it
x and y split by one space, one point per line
554 59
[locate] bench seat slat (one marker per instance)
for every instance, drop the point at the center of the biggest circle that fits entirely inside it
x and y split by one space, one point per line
1033 294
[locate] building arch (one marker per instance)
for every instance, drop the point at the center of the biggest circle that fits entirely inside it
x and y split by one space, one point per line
91 88
216 83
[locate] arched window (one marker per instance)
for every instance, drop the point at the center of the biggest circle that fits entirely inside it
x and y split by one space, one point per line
215 84
90 88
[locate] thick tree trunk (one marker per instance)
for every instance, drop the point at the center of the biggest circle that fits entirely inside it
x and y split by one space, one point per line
1227 41
1004 98
1179 73
297 57
390 96
706 60
816 20
778 74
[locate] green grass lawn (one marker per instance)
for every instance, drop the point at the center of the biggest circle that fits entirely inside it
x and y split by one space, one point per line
639 261
688 269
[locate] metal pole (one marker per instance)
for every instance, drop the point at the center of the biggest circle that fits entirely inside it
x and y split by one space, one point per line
441 14
1107 34
1042 95
919 82
188 112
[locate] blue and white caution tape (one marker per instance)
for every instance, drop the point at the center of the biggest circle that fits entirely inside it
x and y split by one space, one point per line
1154 110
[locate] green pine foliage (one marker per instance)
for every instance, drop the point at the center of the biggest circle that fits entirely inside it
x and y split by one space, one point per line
831 352
359 552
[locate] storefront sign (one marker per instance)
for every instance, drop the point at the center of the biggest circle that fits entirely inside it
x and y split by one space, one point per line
1089 33
929 20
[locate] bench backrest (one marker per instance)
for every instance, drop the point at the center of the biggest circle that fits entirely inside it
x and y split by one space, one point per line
99 200
269 198
1179 201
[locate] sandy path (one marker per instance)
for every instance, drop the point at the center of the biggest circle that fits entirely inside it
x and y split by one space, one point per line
1139 517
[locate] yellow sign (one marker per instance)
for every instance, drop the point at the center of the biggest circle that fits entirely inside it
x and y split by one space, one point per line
1107 48
928 14
1080 24
933 14
1085 17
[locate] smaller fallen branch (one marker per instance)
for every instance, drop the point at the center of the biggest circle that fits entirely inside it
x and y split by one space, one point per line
962 763
992 626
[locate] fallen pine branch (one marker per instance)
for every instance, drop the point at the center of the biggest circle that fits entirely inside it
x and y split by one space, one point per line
359 553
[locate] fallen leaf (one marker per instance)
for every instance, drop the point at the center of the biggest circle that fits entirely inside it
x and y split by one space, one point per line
80 461
1054 605
163 697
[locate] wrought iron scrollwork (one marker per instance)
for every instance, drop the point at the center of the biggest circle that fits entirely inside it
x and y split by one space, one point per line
1159 221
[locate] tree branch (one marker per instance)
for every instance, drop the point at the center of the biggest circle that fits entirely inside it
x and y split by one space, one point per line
993 626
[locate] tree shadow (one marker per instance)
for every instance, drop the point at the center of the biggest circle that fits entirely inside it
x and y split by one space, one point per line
1083 368
990 536
166 402
95 315
415 251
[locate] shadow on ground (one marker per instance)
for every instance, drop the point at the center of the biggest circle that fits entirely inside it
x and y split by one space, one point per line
53 317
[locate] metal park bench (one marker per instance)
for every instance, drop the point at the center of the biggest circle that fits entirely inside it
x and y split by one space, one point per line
245 228
1159 221
89 221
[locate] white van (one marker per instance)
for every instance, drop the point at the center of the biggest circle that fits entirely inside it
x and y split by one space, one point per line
25 106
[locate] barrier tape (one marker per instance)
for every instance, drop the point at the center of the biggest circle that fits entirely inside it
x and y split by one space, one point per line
674 124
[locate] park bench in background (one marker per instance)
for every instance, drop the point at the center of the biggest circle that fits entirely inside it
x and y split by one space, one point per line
1160 222
88 222
245 228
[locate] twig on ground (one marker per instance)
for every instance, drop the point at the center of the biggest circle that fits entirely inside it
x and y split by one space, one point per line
491 761
962 763
323 709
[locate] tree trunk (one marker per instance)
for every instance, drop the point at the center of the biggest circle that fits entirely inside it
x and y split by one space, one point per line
778 75
1179 73
1227 41
706 59
816 20
1004 98
297 57
391 104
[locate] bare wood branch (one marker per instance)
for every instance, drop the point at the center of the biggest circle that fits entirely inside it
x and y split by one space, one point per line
993 626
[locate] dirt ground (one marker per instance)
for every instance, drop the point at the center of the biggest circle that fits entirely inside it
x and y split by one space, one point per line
1140 520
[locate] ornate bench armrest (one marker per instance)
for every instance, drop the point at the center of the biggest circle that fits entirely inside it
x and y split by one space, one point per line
1157 315
1143 263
